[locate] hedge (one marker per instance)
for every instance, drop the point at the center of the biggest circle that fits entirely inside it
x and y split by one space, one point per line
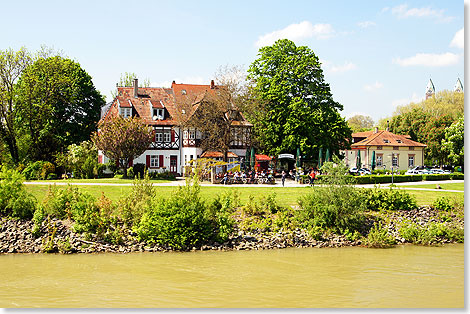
378 179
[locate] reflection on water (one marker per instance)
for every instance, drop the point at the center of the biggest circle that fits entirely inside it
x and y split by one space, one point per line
405 276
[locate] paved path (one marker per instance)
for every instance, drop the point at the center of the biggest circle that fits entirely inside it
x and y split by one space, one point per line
278 184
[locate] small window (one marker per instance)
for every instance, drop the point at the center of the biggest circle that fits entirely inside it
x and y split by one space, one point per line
411 161
386 141
167 136
396 148
126 112
183 92
411 148
192 134
159 114
159 137
379 161
399 141
154 161
395 161
379 147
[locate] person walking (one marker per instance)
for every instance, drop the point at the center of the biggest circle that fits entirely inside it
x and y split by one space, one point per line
312 177
283 177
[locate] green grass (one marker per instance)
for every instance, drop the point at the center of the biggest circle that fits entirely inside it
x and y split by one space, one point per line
102 180
445 186
285 196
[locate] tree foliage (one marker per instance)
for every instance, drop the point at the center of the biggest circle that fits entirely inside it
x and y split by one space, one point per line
127 79
453 142
360 123
292 105
58 105
123 139
12 65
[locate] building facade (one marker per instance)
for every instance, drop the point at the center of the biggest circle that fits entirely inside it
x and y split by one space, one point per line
388 149
164 109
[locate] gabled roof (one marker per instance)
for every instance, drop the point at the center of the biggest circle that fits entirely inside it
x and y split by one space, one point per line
212 154
386 138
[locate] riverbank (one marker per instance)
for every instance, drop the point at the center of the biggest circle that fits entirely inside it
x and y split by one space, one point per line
57 236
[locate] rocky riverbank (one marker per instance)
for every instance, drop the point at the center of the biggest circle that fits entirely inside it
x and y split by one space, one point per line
57 236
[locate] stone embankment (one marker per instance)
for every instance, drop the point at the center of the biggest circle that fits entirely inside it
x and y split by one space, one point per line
16 236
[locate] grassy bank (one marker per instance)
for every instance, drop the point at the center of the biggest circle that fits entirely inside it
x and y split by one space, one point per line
287 196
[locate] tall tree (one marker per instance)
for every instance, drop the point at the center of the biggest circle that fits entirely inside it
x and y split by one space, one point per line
453 143
12 65
123 139
127 79
293 105
360 123
58 106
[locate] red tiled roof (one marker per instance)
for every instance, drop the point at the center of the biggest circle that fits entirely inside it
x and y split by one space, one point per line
213 154
386 138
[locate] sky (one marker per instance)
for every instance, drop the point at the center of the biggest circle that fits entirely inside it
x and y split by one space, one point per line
376 55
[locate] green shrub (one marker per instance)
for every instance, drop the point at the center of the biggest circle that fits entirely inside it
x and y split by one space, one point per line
436 177
131 207
15 201
387 199
221 209
179 221
457 176
443 203
99 169
33 170
46 169
378 237
58 202
430 234
130 173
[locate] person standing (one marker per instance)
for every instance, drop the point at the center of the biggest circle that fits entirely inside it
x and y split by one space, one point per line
283 177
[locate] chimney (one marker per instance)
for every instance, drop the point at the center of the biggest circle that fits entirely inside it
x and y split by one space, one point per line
388 129
136 88
376 129
173 83
212 84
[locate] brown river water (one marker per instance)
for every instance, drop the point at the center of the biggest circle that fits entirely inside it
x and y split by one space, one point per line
401 277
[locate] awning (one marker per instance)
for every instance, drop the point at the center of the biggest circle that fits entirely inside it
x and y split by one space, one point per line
218 155
263 158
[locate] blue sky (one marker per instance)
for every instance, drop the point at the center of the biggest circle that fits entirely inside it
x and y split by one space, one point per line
375 54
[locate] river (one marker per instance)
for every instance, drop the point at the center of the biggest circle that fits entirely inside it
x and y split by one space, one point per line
405 277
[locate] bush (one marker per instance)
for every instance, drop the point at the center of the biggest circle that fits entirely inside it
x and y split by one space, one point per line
131 207
139 170
433 233
33 170
387 199
443 203
179 221
15 201
436 177
47 168
221 209
58 202
457 176
378 237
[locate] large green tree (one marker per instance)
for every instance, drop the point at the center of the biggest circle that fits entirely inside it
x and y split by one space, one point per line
58 106
453 143
360 123
12 65
292 105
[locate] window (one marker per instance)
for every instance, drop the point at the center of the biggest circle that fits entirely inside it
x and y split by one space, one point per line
379 160
167 136
395 160
411 148
386 141
158 137
395 148
154 161
411 160
185 135
183 92
192 134
379 147
159 113
399 141
126 112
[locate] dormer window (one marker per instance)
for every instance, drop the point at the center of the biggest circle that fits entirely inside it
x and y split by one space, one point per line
158 114
183 92
386 141
126 112
399 141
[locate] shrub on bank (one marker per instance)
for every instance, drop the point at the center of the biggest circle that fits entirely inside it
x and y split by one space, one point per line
387 199
378 237
15 201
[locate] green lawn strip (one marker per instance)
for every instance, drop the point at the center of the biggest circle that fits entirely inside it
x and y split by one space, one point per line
104 180
445 186
428 197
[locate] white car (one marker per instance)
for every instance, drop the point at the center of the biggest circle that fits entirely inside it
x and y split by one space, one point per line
439 171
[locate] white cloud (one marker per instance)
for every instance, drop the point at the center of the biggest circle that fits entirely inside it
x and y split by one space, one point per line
372 87
366 24
295 32
458 40
429 59
405 101
347 66
403 11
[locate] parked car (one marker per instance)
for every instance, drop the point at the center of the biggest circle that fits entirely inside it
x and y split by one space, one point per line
359 172
439 171
364 171
418 170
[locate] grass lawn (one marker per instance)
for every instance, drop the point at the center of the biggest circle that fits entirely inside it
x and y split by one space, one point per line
103 180
285 196
445 186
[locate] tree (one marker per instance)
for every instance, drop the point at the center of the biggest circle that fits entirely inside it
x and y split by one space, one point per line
292 106
453 143
58 106
360 123
127 79
123 139
12 65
